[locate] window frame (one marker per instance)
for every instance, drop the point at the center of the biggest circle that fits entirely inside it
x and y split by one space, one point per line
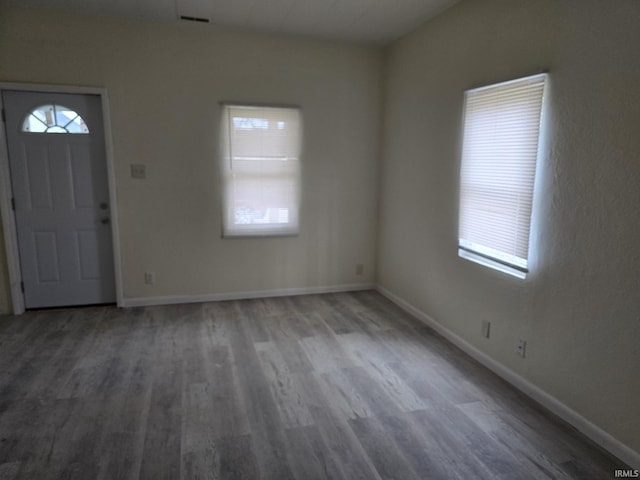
291 228
52 126
510 263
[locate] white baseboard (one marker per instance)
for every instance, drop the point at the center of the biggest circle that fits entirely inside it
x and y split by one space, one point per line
216 297
592 431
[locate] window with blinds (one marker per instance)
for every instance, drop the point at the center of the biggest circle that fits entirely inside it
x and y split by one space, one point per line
499 153
261 170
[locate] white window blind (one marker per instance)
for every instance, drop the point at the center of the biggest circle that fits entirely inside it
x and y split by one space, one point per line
261 170
499 152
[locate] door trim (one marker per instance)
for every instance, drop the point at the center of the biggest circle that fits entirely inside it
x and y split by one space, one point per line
8 217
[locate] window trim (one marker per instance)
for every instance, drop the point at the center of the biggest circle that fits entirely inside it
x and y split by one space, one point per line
256 230
482 254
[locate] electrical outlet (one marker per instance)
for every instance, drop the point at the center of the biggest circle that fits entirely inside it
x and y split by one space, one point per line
138 170
521 348
359 269
149 278
486 329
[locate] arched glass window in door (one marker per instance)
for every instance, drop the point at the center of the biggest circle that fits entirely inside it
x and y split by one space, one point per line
54 119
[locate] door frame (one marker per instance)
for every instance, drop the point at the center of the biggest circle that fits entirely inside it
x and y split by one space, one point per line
8 217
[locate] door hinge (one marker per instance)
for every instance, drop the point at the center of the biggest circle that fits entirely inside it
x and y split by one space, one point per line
22 286
13 203
4 116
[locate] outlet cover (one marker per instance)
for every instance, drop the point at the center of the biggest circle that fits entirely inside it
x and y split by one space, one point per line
521 349
138 170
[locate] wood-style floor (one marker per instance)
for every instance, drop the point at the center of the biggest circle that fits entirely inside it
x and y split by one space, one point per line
341 386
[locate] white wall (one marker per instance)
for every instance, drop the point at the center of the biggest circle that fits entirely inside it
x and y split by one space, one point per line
580 308
164 83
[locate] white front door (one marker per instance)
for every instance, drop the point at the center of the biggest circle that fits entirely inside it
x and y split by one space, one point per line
61 197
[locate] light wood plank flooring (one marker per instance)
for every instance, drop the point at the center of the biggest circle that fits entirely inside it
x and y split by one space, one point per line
339 386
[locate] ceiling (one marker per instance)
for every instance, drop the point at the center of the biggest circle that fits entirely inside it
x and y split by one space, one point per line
364 21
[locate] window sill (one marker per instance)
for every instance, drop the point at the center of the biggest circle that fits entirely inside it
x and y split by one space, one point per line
472 257
261 235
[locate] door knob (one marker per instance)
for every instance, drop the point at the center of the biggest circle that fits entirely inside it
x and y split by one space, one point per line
103 206
105 221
